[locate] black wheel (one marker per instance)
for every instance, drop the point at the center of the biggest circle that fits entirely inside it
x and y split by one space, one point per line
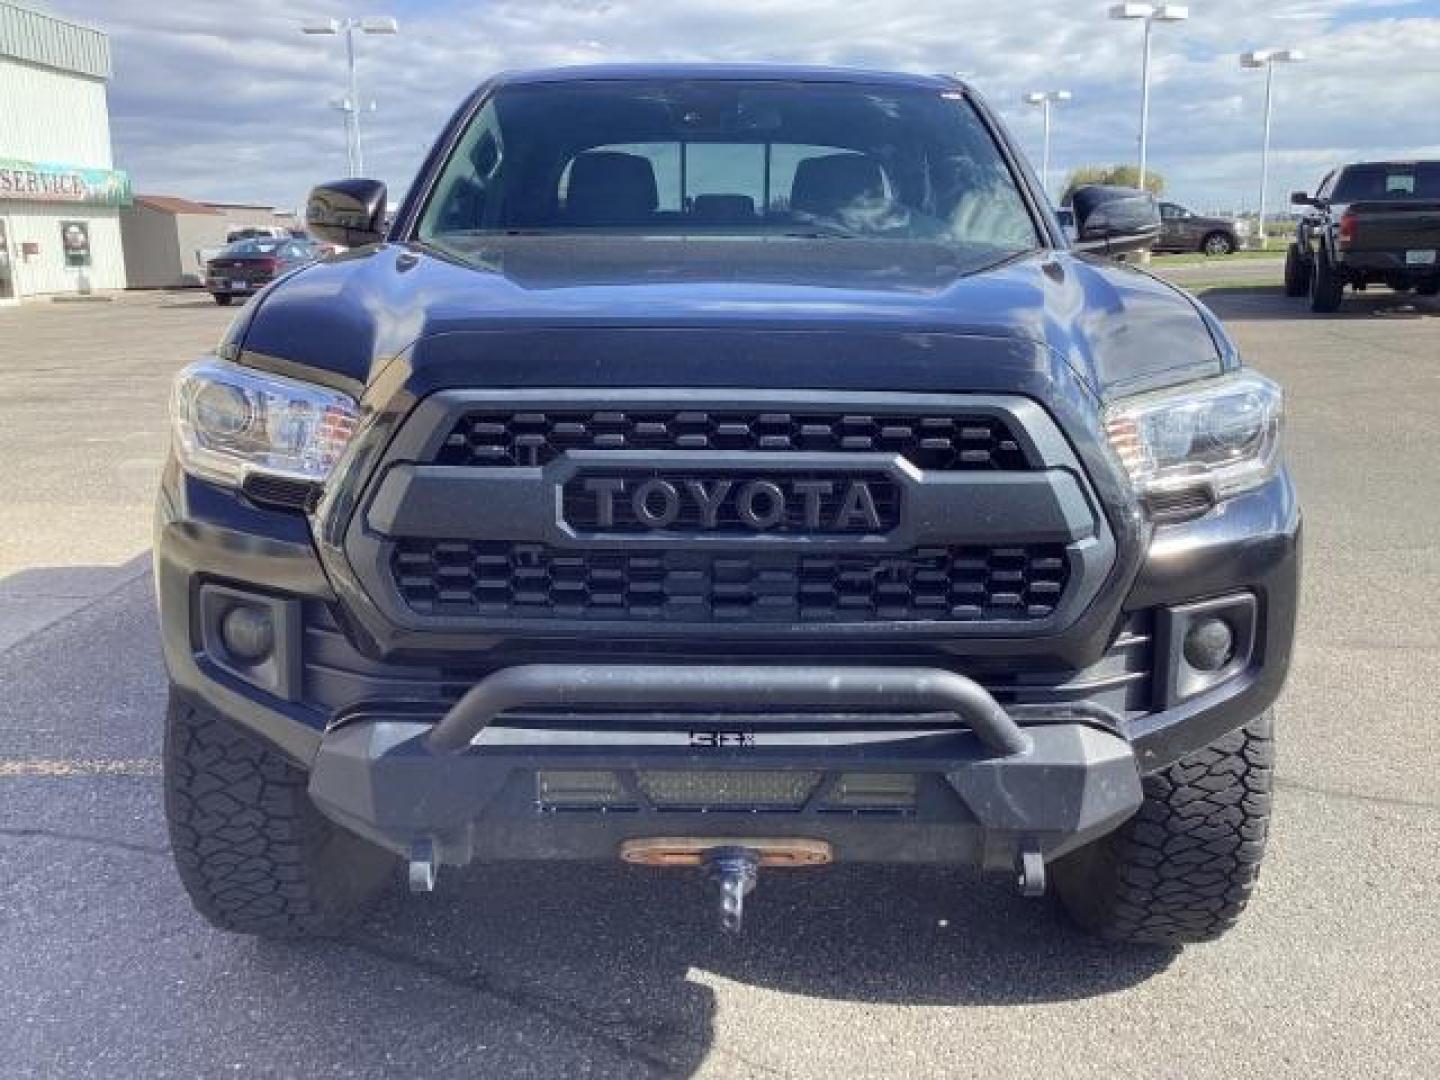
1217 243
1183 868
1326 287
1297 271
222 300
1428 288
254 854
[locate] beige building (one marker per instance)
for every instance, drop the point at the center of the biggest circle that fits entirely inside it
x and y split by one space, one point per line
60 195
168 239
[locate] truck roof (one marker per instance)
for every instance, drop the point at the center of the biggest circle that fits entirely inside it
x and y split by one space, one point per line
740 72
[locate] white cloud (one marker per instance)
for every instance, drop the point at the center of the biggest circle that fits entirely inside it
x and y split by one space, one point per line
229 101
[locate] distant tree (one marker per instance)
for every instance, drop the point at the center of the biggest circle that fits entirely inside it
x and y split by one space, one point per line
1125 175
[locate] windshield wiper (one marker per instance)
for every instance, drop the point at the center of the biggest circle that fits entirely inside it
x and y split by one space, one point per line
823 232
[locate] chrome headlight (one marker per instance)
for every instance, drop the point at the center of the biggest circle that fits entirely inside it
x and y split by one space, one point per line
1215 438
230 421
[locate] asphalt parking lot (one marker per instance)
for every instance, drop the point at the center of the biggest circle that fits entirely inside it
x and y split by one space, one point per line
549 972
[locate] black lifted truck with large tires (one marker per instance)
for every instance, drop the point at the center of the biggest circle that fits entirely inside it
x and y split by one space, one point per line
733 468
1373 223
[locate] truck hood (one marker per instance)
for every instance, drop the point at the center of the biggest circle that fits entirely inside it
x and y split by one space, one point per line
1115 327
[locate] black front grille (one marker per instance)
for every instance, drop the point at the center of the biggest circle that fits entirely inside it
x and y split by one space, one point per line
945 442
532 581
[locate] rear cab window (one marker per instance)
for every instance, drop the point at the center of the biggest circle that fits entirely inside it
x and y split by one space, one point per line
1396 181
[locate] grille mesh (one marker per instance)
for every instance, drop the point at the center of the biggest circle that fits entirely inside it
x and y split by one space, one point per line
940 441
532 581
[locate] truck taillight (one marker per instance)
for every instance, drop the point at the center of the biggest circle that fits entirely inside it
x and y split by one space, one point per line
1347 228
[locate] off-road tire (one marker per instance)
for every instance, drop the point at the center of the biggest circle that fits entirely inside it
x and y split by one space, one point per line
1183 868
1217 243
1327 288
1297 271
252 851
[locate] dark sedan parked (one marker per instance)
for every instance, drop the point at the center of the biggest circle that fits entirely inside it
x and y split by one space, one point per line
247 265
1184 230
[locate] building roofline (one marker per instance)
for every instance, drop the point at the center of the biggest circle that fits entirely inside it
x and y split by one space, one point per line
30 36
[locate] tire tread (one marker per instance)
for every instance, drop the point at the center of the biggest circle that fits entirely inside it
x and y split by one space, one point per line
1184 867
252 851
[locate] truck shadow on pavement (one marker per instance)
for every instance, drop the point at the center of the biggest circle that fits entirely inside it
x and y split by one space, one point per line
1262 302
628 956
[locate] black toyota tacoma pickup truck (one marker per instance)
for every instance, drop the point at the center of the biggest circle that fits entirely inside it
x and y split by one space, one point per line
1373 223
732 468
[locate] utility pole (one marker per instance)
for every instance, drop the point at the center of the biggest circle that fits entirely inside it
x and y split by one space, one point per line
350 105
1267 58
1151 14
1045 99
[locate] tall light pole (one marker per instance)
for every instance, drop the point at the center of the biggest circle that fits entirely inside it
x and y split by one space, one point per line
1151 14
350 104
1267 59
1046 98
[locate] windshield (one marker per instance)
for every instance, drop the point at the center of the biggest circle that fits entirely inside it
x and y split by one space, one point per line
662 158
253 247
1410 180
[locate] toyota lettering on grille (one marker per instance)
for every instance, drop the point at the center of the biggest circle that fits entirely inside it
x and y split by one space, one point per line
746 504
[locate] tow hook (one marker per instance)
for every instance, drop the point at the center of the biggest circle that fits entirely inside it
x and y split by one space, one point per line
1030 871
423 866
735 870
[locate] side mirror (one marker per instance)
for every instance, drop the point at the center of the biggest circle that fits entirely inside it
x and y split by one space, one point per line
1301 198
350 213
1112 220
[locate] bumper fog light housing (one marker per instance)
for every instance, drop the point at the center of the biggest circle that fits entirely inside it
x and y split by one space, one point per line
1205 644
248 634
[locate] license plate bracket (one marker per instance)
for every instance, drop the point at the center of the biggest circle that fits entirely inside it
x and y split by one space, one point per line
1424 257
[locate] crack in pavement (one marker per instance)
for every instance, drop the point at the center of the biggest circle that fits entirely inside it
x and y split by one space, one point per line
1356 796
52 768
558 1011
81 838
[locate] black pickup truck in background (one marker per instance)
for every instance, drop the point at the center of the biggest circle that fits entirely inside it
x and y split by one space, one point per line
1373 223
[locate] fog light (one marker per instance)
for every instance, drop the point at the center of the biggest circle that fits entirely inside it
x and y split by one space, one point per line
873 791
579 789
715 789
1209 645
247 633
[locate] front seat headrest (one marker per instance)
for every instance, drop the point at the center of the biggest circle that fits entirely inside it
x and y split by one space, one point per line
823 185
610 188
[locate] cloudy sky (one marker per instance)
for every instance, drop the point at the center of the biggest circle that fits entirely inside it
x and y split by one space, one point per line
228 101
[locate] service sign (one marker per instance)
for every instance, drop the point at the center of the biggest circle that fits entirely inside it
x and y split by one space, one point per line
42 181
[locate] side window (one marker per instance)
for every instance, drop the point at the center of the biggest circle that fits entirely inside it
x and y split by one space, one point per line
1169 211
466 188
1326 186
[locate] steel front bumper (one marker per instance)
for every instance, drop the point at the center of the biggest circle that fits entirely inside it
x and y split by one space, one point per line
984 792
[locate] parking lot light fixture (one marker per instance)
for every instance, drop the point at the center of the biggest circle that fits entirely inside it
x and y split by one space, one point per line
1149 14
377 25
1267 59
1045 99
